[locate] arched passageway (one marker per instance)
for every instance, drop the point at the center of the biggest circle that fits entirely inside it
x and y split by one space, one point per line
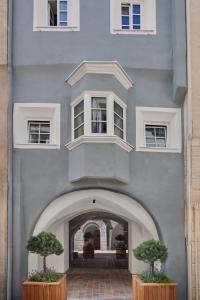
57 216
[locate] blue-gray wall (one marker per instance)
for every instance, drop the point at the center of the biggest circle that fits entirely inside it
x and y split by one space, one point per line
41 62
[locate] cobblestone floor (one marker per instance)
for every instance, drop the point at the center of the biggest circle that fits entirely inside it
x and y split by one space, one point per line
99 284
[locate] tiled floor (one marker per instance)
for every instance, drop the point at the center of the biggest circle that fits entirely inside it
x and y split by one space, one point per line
99 284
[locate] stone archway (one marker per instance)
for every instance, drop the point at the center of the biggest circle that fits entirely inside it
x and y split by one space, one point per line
57 215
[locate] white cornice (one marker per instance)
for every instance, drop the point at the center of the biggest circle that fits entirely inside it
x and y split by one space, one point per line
100 67
99 140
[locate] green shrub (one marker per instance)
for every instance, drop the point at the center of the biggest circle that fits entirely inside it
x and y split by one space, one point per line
159 277
48 276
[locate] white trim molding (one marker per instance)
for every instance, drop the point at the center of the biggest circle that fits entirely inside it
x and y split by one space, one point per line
169 117
41 16
24 112
99 140
100 67
148 17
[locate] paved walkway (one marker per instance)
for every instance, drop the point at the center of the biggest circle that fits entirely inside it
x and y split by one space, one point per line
99 284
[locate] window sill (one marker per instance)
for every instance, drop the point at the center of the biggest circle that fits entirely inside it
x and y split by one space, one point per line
99 140
56 28
133 31
37 146
153 149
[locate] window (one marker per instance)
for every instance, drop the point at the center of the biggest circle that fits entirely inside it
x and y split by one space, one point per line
38 132
118 120
98 114
56 15
158 129
36 125
79 119
156 136
133 16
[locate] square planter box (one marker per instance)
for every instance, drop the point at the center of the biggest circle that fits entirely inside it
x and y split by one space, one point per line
44 290
154 291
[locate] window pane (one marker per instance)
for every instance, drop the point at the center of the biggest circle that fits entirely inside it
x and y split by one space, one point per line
150 142
118 132
150 132
99 127
44 138
125 11
161 142
99 115
118 121
78 132
118 109
63 23
136 9
79 108
136 27
136 20
125 20
79 120
63 16
160 132
99 102
33 127
63 5
45 128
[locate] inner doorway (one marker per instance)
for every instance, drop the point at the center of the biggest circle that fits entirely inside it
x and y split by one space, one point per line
98 239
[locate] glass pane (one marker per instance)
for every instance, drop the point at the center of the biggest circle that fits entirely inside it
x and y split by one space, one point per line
125 11
99 127
161 142
150 142
33 127
118 121
118 132
63 5
160 132
44 138
78 132
125 20
149 132
45 128
99 102
136 20
136 27
136 9
99 115
79 120
63 23
79 108
118 109
63 16
33 138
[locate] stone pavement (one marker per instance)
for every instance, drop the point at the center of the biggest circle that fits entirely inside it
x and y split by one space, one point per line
99 284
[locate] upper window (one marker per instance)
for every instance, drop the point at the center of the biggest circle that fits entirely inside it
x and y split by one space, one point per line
133 16
36 125
158 129
38 132
156 136
100 114
56 15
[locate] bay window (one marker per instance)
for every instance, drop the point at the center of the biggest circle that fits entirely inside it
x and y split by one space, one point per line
98 114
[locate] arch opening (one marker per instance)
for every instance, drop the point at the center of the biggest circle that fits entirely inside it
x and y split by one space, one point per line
59 215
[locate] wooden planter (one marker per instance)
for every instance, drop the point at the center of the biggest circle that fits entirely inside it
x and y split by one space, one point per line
44 290
154 291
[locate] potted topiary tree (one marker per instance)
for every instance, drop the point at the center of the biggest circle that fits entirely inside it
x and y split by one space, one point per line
120 247
153 282
45 284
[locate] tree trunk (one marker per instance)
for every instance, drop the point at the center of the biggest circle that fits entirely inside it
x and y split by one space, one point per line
44 264
152 268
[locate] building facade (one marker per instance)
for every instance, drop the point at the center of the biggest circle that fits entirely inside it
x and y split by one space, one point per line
97 93
3 145
192 144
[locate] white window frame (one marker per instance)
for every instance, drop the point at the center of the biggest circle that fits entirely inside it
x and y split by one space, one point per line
41 16
156 138
39 133
169 117
24 112
148 17
90 137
